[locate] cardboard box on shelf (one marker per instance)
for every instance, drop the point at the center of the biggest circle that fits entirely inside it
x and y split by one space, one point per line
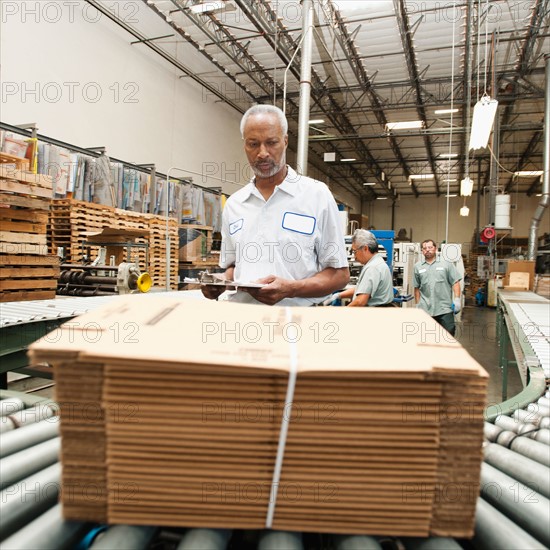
518 280
195 242
520 266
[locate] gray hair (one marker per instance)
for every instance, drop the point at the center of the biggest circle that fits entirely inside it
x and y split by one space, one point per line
265 110
362 238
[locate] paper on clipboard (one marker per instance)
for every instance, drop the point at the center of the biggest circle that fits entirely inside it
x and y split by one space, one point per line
218 279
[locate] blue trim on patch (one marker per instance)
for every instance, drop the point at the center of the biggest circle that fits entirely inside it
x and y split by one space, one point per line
302 216
236 226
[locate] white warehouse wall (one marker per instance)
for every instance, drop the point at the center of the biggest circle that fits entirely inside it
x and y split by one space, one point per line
74 72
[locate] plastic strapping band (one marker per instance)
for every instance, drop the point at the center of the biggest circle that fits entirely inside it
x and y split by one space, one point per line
285 421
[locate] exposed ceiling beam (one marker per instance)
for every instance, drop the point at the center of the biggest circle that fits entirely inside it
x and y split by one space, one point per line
353 58
410 56
527 154
261 15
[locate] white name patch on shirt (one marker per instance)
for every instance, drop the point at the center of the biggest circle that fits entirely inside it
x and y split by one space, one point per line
299 223
422 270
236 226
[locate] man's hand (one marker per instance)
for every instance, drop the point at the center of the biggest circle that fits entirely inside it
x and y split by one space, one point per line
212 292
457 305
276 289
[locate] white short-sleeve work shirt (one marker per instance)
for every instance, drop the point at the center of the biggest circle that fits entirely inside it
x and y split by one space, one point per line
295 234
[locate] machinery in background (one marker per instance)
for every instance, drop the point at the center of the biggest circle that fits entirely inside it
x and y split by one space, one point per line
115 269
385 249
385 240
102 280
401 257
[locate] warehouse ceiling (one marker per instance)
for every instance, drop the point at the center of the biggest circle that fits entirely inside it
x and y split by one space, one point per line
376 62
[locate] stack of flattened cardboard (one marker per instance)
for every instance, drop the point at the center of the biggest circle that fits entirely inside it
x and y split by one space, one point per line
316 419
83 436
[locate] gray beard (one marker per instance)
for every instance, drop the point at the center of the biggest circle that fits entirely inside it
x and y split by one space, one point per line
274 170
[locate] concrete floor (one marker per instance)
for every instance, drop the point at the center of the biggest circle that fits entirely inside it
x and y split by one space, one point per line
477 334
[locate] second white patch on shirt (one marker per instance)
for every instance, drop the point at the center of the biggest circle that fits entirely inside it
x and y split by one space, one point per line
236 226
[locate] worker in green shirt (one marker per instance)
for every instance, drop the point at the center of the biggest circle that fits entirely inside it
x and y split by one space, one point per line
437 286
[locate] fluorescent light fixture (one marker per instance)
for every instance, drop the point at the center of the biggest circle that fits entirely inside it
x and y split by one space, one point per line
370 183
348 160
316 121
207 6
329 157
445 111
448 155
538 195
451 196
464 211
528 174
381 198
482 122
409 125
421 177
466 187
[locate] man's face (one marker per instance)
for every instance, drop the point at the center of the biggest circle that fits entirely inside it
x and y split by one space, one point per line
429 250
265 145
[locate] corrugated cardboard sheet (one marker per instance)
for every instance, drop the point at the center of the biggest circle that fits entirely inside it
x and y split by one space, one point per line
171 415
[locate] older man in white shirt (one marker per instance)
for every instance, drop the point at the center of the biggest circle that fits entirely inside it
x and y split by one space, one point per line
282 229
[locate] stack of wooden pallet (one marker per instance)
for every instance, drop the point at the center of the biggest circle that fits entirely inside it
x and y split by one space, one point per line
157 250
72 222
27 272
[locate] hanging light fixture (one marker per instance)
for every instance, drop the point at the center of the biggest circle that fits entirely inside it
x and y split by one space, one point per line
528 173
464 211
482 122
205 7
466 187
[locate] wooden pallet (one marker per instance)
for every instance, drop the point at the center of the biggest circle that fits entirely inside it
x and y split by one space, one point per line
207 262
33 180
28 277
72 221
23 197
21 163
24 295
